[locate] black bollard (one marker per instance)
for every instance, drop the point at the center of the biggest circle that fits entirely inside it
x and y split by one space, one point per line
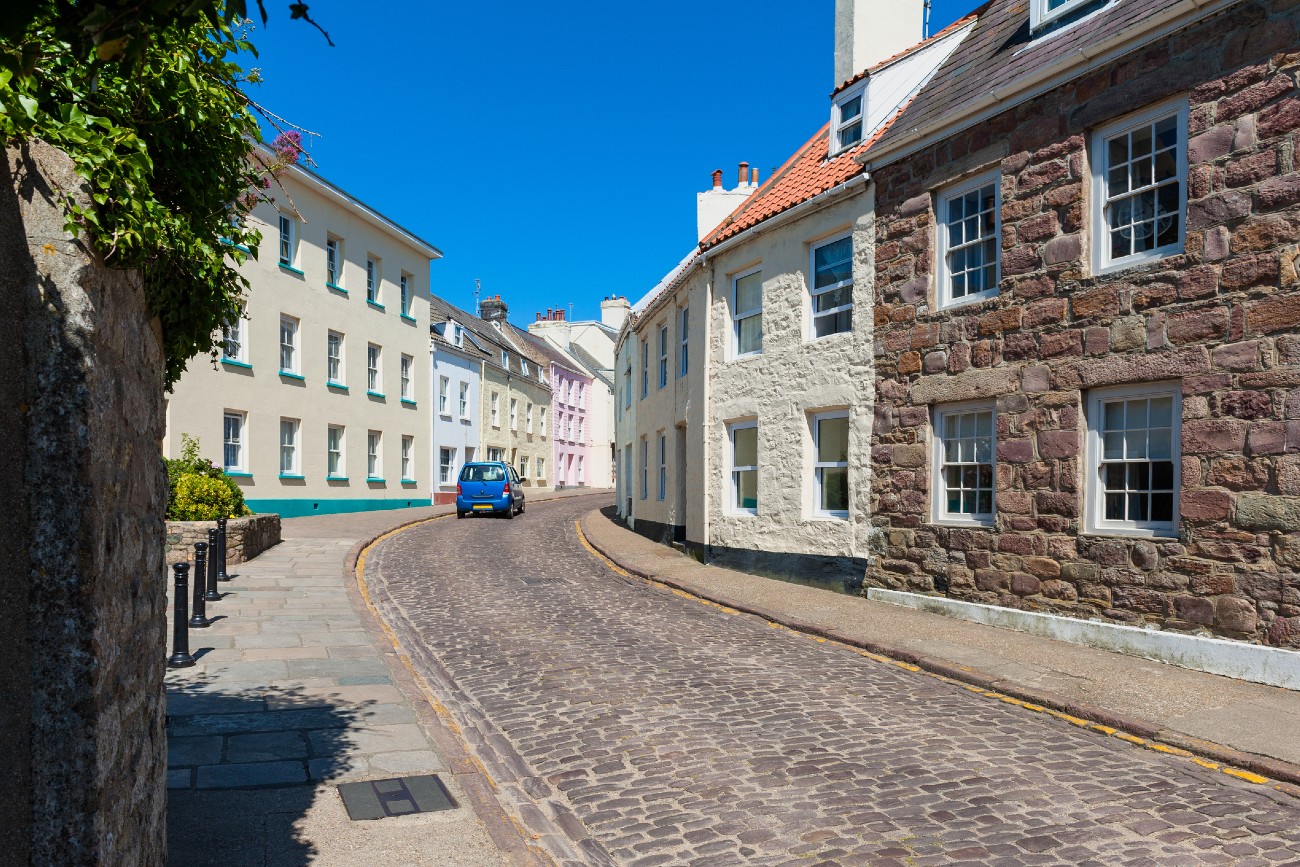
180 657
210 573
199 619
221 540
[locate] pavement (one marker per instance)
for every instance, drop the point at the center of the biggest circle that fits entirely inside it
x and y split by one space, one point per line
1248 725
296 689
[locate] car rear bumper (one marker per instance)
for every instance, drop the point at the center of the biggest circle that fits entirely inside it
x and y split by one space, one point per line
469 505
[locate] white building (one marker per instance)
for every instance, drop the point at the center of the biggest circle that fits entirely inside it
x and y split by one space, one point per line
457 359
316 404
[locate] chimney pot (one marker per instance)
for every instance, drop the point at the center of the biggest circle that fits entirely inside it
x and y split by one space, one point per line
753 177
744 173
717 179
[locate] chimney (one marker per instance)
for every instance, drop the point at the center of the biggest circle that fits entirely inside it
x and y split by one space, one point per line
614 312
744 174
713 205
753 177
493 309
717 179
869 31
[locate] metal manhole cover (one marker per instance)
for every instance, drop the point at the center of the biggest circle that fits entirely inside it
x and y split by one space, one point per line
537 580
401 796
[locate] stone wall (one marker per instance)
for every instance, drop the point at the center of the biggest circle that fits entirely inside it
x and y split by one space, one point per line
245 537
82 592
1221 319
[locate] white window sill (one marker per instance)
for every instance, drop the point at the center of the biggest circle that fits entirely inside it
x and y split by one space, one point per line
749 356
1166 533
1139 259
963 524
975 298
841 517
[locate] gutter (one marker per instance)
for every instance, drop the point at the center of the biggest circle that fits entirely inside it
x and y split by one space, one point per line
1085 59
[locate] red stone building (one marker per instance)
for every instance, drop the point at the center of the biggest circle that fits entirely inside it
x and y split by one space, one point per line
1087 322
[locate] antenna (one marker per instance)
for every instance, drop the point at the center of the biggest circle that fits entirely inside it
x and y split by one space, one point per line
478 284
925 27
570 311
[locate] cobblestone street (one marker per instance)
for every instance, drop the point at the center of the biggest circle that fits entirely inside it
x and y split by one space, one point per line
625 724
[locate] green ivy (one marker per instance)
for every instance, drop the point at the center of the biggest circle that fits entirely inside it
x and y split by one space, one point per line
157 126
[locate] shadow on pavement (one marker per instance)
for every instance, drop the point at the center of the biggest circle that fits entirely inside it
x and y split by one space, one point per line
245 766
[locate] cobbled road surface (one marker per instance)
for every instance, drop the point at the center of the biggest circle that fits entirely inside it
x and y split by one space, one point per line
625 724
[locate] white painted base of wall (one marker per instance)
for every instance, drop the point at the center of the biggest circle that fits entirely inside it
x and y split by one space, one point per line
1255 662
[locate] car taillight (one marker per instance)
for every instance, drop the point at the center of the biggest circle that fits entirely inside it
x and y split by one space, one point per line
506 489
459 490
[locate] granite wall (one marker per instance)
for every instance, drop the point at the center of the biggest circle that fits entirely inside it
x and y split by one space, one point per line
245 537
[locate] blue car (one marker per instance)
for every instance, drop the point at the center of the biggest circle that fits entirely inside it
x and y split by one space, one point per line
489 487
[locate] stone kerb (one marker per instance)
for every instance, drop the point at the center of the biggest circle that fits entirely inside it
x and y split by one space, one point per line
245 537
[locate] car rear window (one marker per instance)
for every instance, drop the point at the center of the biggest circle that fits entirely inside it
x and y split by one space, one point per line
482 473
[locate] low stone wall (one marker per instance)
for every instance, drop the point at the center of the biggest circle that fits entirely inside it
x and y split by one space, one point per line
245 537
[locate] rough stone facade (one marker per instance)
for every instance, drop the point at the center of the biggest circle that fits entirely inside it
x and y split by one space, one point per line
82 593
245 537
1221 319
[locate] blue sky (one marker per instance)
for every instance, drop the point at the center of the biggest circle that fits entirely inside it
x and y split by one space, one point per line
554 157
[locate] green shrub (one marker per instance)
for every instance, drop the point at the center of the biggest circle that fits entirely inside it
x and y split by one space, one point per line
198 489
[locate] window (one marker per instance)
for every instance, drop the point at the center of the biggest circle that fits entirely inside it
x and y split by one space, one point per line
523 466
457 336
444 384
496 409
446 464
645 471
404 373
287 240
663 466
541 375
505 359
1043 11
232 453
523 367
832 290
684 363
1140 164
579 477
334 452
645 368
514 414
744 467
333 262
970 236
747 314
964 455
541 468
582 395
542 422
627 386
233 340
372 280
372 368
464 400
496 454
846 117
373 466
289 447
288 344
334 357
406 295
408 458
663 355
831 464
1133 459
580 428
528 420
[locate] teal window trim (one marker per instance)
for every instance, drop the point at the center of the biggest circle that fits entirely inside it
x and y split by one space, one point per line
336 478
290 269
336 288
240 247
408 401
375 393
234 362
409 481
292 476
238 474
375 304
289 374
409 318
375 479
340 386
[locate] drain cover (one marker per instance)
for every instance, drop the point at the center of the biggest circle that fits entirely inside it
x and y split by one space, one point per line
402 796
535 580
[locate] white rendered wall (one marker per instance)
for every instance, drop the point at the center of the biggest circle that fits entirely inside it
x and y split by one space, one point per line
869 31
450 430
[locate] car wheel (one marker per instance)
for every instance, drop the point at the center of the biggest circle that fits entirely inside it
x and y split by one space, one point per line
459 514
510 510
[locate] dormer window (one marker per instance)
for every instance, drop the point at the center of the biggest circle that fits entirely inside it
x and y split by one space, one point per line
847 117
457 336
1044 11
505 359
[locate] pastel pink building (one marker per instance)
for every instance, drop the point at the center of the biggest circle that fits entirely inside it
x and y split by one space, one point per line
571 417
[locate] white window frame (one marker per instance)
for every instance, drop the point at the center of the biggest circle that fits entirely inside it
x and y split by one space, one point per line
505 360
814 291
335 467
645 368
819 465
1094 505
1040 14
496 409
839 122
663 354
374 455
738 316
239 441
528 419
444 388
405 365
372 279
408 458
580 479
684 321
514 413
464 400
234 333
289 350
733 486
939 513
289 448
374 358
581 425
1101 261
334 360
496 454
288 229
334 262
541 421
541 468
645 469
446 464
405 282
942 248
663 466
523 366
457 335
523 467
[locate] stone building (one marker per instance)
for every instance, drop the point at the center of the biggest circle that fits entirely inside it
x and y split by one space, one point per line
456 386
314 405
1086 352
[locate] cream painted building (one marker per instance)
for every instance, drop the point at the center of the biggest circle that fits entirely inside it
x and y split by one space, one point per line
319 402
